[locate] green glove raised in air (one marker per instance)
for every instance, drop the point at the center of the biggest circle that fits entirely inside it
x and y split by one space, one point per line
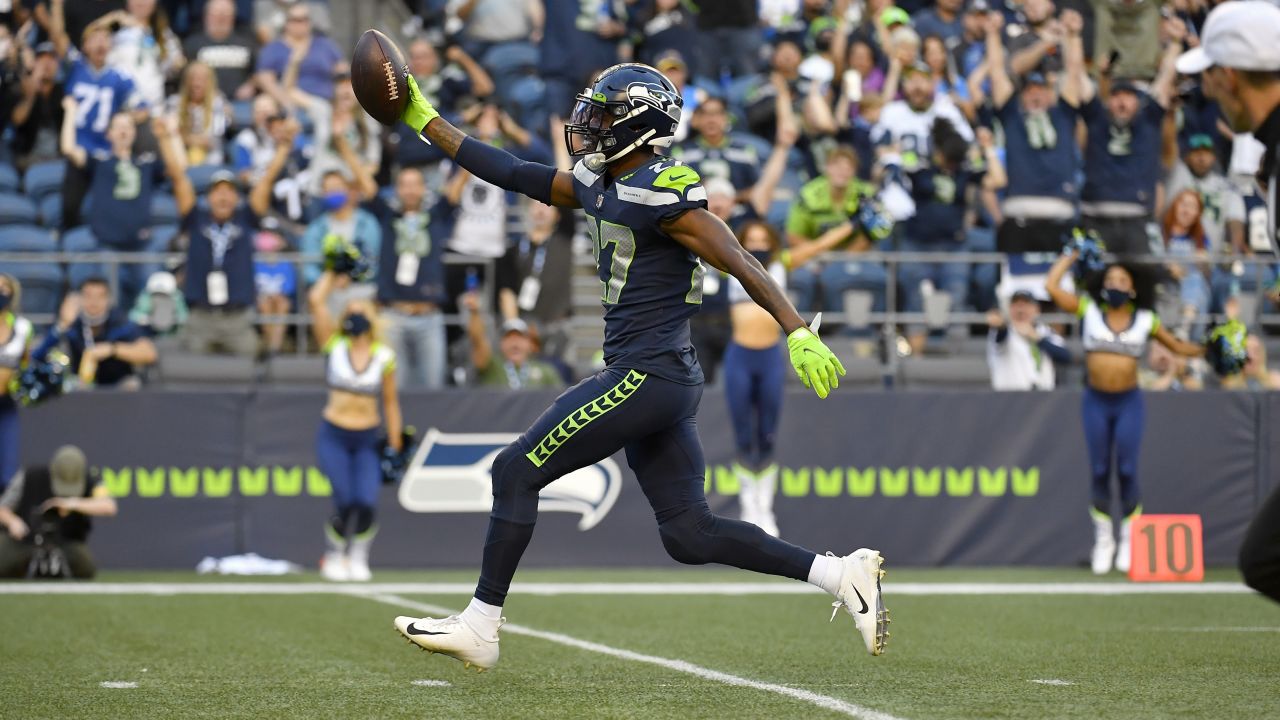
815 364
418 111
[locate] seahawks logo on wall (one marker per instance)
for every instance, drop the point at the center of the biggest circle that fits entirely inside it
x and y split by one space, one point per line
450 474
655 96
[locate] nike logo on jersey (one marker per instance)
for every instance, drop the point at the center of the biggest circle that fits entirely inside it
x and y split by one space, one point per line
863 611
415 631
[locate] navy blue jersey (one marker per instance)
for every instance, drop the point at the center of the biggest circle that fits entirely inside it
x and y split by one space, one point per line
940 205
1122 163
1041 155
120 193
734 161
650 284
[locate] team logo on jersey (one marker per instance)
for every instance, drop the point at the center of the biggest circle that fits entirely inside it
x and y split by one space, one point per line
450 474
655 96
599 200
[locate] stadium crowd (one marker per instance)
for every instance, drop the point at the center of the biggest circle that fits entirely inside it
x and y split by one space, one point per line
226 132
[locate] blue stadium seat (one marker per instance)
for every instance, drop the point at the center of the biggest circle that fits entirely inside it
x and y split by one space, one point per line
16 210
51 211
241 114
164 209
26 238
9 180
41 286
201 174
161 236
44 178
81 239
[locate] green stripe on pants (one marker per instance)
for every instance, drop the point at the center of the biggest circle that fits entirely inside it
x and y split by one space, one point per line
584 416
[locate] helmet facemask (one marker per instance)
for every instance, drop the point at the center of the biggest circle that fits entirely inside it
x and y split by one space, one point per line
610 129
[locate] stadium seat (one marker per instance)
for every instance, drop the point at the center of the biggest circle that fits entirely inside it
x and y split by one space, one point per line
202 174
164 209
9 180
178 367
77 240
241 115
41 286
295 371
44 178
26 238
51 211
16 210
943 373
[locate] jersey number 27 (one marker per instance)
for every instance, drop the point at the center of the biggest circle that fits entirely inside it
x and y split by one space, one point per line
603 234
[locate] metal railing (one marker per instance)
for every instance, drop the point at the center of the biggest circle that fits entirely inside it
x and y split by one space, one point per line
111 262
885 324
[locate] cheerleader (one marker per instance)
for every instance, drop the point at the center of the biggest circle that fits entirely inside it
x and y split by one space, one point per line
1116 322
15 340
359 370
755 364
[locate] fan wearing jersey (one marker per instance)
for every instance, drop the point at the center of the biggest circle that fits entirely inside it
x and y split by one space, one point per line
15 342
99 91
648 223
754 370
359 370
1116 321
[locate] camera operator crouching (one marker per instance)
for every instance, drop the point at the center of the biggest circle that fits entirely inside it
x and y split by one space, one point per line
47 511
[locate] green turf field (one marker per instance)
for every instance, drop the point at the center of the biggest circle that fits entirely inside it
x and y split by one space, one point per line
320 655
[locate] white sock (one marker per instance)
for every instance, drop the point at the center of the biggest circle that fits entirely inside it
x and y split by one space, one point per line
483 614
825 572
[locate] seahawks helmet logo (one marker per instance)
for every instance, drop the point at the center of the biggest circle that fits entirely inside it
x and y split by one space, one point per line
655 96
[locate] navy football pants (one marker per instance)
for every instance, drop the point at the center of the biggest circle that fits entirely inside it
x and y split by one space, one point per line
1113 424
349 458
654 421
753 381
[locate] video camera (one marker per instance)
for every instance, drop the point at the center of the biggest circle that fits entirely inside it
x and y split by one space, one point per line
48 560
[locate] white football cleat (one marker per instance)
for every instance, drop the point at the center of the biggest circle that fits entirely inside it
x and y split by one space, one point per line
358 559
334 568
1124 547
1104 544
451 636
859 595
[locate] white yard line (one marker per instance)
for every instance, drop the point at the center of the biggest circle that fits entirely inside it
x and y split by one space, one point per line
1052 681
823 701
599 588
118 684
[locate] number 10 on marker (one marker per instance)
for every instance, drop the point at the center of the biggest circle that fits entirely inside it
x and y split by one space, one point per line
1167 548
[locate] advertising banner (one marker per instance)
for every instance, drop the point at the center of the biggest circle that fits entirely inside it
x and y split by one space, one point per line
938 478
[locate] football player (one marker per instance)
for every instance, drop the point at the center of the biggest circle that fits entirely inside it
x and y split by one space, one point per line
649 226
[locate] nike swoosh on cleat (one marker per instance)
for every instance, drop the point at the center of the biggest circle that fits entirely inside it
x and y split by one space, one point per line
863 611
415 631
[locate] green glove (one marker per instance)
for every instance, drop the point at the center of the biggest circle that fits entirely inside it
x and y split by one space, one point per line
815 364
418 111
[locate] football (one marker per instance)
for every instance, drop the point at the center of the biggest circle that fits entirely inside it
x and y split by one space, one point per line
378 77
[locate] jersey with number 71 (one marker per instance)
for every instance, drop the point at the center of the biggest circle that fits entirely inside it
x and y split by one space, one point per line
650 284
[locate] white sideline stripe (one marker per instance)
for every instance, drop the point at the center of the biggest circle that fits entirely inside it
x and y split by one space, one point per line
118 684
1053 681
823 701
432 683
600 588
1258 629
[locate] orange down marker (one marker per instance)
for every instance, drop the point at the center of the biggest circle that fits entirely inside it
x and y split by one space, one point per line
1166 548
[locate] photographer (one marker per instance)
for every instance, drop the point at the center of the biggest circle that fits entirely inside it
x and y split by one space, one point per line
46 513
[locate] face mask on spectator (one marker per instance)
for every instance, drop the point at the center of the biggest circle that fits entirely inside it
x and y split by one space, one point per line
5 299
334 200
1116 298
93 320
355 325
762 256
